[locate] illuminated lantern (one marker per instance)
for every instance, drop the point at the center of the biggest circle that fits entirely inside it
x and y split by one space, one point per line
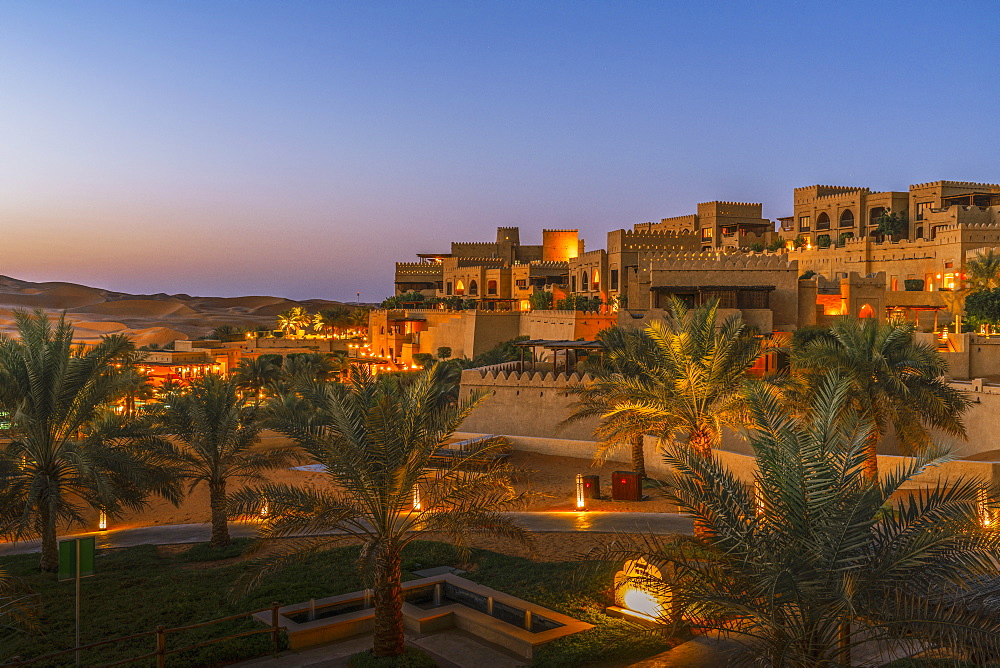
102 521
639 592
987 514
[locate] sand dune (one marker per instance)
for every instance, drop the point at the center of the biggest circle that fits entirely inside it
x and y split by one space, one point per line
158 318
141 308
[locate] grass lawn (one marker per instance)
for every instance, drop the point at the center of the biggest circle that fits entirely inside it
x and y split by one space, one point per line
138 588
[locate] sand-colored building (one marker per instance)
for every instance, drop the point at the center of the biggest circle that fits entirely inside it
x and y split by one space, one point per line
462 272
720 225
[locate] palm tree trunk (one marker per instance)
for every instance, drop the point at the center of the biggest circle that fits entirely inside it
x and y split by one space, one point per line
220 525
638 456
701 442
50 546
871 457
388 632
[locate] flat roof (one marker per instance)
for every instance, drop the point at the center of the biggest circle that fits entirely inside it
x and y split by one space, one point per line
554 343
711 288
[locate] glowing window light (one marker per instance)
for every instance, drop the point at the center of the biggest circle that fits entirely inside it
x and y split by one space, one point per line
102 521
416 498
987 515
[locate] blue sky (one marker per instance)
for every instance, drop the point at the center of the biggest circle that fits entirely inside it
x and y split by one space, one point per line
300 148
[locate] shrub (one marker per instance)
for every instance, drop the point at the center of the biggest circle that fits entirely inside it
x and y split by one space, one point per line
757 247
913 284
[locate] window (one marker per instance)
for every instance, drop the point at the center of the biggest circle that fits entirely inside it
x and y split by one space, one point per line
753 299
874 214
847 218
572 283
614 279
473 288
584 286
804 223
597 279
460 288
448 290
822 221
706 234
491 287
920 233
894 283
522 283
923 208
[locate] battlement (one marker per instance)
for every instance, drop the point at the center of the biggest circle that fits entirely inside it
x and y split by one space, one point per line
555 264
954 184
473 244
664 234
727 202
549 230
506 375
707 261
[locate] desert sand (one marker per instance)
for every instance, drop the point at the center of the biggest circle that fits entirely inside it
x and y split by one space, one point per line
148 319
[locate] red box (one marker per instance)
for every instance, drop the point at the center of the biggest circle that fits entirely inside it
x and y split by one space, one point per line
626 486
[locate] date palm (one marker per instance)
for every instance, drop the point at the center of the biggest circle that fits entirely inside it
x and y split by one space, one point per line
256 374
895 381
294 319
983 270
376 439
67 451
19 607
683 377
330 320
219 433
359 318
816 558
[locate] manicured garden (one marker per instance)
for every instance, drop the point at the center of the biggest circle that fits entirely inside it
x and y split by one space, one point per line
138 588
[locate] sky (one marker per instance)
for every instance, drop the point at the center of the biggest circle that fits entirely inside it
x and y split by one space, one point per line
299 149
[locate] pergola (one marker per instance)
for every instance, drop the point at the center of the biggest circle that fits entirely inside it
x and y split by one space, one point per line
729 296
568 348
917 310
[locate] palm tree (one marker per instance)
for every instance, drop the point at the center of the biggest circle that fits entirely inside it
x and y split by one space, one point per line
895 380
68 451
684 376
376 439
359 318
817 558
629 354
256 374
306 367
332 319
219 433
983 271
228 333
294 319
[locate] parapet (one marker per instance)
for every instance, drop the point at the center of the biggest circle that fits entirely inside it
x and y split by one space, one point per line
506 375
956 184
710 261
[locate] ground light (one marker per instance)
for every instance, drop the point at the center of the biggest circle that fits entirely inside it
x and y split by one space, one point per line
581 500
637 596
102 521
416 498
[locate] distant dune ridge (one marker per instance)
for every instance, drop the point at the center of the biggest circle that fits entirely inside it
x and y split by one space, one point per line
159 318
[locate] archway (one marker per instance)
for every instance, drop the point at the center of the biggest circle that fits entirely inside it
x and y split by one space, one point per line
584 283
847 218
491 287
875 214
866 311
822 221
460 288
473 288
597 280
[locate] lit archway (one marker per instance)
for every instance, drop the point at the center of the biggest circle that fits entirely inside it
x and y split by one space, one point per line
597 280
460 288
866 311
491 287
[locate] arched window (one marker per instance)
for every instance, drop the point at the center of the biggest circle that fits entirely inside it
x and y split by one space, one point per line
473 288
491 287
572 283
597 280
866 311
847 218
584 286
460 288
822 221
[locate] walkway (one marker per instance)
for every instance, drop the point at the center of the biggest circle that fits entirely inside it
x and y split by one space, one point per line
569 522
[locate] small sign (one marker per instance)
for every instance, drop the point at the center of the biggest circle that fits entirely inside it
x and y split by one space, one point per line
67 557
